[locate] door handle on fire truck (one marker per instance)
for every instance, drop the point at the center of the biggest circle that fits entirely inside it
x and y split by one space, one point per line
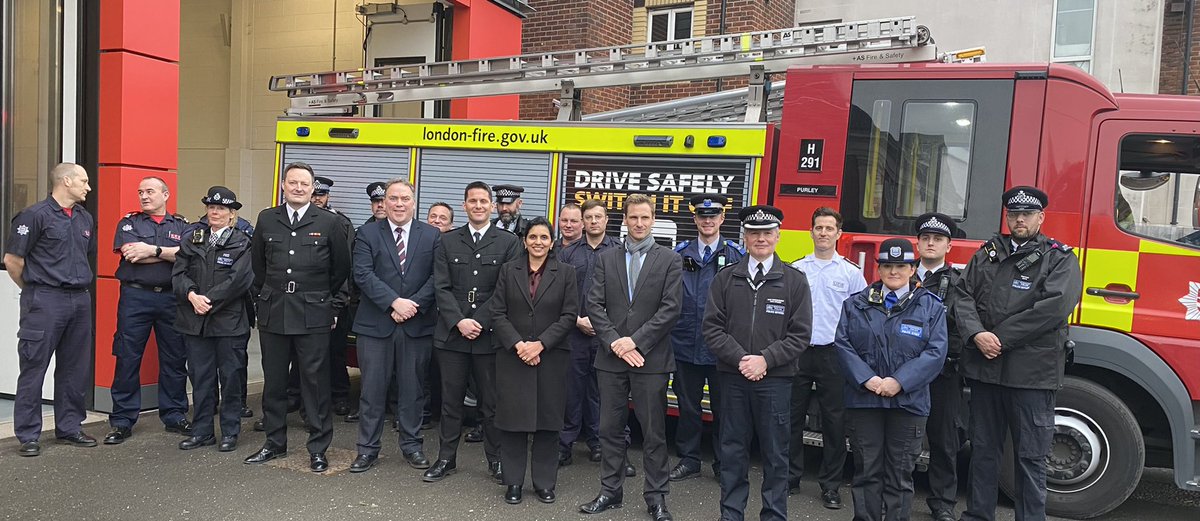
1114 296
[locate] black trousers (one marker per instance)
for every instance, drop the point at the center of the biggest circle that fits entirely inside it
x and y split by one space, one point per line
339 376
762 407
210 359
53 322
1028 416
819 365
886 443
544 461
397 359
582 417
239 350
649 394
455 368
312 361
944 440
688 385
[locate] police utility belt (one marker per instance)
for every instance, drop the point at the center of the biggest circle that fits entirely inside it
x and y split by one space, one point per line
147 287
291 287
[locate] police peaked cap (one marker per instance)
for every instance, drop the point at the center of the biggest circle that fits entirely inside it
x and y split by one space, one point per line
1024 198
507 193
321 185
376 191
761 217
708 204
934 222
222 196
896 251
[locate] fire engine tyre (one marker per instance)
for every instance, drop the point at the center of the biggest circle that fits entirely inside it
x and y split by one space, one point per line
1096 457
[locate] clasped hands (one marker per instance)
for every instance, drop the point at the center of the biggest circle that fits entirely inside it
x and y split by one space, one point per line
885 387
403 309
988 344
626 350
530 352
753 367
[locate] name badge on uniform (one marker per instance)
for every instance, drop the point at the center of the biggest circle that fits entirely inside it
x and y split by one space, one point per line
225 260
838 285
775 306
910 330
1021 284
173 236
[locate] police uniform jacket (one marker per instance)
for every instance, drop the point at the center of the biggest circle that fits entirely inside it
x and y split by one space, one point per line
140 227
298 269
907 343
533 398
1025 298
774 322
944 283
688 336
55 246
245 227
464 278
519 226
221 272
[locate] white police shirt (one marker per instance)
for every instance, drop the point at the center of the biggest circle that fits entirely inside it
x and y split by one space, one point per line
831 283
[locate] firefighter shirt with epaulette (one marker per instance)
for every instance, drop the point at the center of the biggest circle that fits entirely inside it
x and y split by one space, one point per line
1024 294
55 242
163 231
701 262
832 282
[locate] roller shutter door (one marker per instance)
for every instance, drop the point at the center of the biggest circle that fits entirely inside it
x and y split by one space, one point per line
443 175
351 169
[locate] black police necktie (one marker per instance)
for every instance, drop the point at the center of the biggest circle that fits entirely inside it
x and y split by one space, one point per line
295 217
476 236
928 277
758 275
890 300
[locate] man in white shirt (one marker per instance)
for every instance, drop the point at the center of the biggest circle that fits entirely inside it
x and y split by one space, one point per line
832 279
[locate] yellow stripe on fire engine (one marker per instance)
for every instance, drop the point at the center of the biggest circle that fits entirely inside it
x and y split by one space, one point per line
741 140
794 244
1166 249
1106 267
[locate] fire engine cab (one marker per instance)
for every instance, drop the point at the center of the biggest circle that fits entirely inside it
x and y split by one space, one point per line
880 132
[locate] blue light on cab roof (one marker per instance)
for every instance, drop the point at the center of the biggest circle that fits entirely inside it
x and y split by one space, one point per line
302 131
716 141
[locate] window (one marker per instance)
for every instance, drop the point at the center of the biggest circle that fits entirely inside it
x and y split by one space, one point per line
1074 29
669 24
935 158
1158 194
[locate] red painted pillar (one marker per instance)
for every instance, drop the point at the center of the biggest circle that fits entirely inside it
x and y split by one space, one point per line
483 29
139 136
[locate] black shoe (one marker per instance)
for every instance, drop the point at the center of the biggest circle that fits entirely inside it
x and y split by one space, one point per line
565 458
793 487
247 413
474 435
831 499
258 425
228 444
265 454
496 472
440 469
183 427
79 439
317 462
659 512
30 449
426 424
363 463
417 460
595 455
195 442
600 504
716 471
352 417
118 436
944 515
545 495
630 471
341 408
683 472
512 496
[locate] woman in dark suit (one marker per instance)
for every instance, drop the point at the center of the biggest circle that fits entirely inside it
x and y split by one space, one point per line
535 307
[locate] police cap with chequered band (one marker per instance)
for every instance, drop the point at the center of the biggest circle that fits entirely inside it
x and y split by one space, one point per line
896 251
761 217
1024 199
706 205
376 191
506 194
934 222
221 196
321 185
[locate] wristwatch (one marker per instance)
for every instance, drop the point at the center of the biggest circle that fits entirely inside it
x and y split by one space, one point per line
157 251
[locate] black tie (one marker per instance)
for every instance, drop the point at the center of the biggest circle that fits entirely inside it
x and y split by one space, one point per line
758 275
295 217
928 277
476 236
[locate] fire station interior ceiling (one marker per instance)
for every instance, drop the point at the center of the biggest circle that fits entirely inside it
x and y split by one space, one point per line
443 174
351 169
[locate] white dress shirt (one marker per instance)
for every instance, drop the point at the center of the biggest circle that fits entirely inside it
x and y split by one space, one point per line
831 283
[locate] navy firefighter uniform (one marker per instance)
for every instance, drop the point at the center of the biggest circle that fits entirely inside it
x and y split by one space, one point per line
695 364
56 317
891 343
147 303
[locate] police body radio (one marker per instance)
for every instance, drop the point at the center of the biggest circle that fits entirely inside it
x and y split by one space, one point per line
689 264
721 261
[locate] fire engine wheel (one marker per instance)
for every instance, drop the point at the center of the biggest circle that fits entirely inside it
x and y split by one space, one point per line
1096 456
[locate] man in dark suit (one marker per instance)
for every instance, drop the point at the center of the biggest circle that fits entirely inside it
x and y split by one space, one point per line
393 268
301 257
633 304
465 271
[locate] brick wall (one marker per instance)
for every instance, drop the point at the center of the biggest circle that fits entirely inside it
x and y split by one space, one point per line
1174 49
574 24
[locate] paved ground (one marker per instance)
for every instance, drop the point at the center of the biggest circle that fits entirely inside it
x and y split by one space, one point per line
149 478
